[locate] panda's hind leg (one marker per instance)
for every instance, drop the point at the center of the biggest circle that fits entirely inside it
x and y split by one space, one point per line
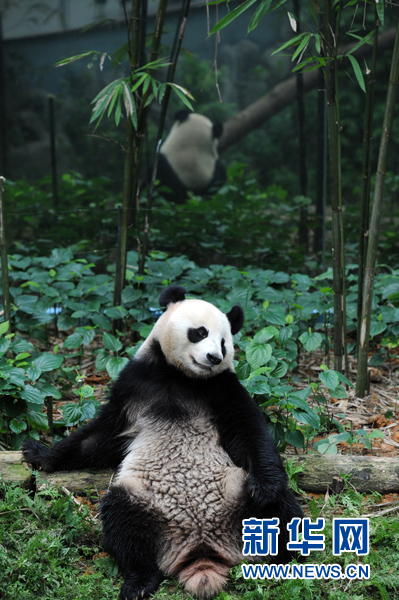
130 537
286 508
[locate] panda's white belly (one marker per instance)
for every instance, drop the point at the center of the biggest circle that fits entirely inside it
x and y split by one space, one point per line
180 471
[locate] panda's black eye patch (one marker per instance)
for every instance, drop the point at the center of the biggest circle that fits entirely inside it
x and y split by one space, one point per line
223 348
196 335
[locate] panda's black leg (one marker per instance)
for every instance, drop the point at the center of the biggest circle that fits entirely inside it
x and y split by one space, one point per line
130 536
285 509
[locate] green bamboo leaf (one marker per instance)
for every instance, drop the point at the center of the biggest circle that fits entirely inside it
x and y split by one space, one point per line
302 46
66 61
258 14
139 82
358 72
292 42
114 98
362 40
232 16
181 94
380 10
118 112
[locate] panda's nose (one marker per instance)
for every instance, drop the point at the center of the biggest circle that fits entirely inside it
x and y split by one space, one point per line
214 360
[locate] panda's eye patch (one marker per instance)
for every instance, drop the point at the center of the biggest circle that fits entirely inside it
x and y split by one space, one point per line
196 335
223 348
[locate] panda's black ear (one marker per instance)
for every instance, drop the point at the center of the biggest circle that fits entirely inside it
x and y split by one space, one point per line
172 294
217 130
182 115
236 318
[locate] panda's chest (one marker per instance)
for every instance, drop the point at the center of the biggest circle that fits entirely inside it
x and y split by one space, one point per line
179 464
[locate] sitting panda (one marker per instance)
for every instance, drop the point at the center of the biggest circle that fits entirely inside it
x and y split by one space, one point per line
188 158
192 452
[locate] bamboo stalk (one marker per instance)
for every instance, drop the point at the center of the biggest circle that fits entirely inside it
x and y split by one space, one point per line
53 151
303 175
4 261
361 381
165 103
366 177
333 146
129 171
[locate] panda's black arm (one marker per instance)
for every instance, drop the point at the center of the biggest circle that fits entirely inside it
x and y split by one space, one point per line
99 445
244 435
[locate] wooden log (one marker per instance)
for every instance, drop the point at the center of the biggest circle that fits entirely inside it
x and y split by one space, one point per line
12 469
367 473
80 483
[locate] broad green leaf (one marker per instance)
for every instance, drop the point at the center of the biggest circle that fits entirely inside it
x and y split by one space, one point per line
116 312
32 394
33 372
295 438
308 416
75 340
16 425
115 365
258 354
49 390
345 380
130 294
37 420
280 370
266 334
86 391
48 362
111 343
4 345
274 314
72 413
311 341
21 345
329 379
101 360
284 335
4 327
377 327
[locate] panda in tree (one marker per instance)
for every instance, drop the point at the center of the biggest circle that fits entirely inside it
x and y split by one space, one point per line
188 159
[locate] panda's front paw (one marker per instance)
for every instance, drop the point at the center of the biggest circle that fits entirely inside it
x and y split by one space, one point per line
263 492
37 454
141 584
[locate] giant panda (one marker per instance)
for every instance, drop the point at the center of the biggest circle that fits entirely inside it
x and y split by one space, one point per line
188 158
192 452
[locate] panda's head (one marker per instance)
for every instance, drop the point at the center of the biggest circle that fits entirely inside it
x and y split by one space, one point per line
195 336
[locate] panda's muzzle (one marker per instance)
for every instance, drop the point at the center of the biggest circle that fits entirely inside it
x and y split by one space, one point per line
211 358
214 360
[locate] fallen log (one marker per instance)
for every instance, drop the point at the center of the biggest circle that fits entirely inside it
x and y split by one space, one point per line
12 469
366 473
